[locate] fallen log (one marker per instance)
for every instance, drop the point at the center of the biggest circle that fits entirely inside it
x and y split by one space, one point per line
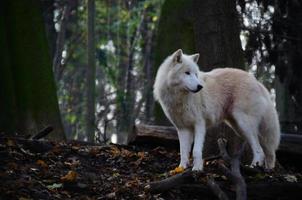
161 132
171 182
154 135
290 143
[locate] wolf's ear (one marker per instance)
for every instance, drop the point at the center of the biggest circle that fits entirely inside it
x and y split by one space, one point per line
177 56
195 57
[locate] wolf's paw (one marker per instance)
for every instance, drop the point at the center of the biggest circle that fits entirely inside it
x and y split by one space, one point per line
197 167
177 170
256 163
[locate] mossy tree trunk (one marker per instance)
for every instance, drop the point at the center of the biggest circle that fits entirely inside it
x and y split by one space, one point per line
28 93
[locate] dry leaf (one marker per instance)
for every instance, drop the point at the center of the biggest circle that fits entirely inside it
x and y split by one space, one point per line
54 186
290 178
141 155
42 163
71 176
10 143
126 153
177 170
115 151
72 162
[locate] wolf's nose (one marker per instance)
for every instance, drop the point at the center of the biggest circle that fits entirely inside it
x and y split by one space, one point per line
199 87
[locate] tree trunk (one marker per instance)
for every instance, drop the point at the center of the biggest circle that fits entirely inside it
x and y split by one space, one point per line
288 66
216 29
126 111
57 58
48 14
28 93
90 74
147 46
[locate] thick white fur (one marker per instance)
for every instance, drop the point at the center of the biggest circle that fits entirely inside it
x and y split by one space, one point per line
228 95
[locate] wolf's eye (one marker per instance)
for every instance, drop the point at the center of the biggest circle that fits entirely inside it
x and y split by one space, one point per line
188 73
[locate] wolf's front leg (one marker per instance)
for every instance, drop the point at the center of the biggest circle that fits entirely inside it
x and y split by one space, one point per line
185 142
199 137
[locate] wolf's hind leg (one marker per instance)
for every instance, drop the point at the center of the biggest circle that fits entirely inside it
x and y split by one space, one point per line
185 143
270 153
249 128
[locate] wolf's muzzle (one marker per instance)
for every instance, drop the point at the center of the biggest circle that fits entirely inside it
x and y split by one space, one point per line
199 87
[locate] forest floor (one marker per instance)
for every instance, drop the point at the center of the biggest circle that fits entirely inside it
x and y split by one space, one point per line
77 171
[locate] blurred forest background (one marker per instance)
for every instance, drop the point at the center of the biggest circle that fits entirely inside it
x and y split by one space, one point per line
87 67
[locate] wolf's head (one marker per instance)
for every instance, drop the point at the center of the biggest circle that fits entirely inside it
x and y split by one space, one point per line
183 72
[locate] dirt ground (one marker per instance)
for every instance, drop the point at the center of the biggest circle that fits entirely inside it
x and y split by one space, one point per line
76 171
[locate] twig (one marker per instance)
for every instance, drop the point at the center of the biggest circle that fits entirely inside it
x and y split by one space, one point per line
36 146
171 182
234 174
43 133
217 191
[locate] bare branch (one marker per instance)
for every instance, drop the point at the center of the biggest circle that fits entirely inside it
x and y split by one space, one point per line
216 189
234 174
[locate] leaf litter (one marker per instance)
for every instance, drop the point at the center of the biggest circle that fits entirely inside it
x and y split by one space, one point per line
76 171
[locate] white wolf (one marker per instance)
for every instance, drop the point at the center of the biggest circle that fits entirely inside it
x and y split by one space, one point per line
195 100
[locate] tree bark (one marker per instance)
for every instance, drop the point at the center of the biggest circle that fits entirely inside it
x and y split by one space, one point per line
90 73
48 14
216 30
28 93
148 37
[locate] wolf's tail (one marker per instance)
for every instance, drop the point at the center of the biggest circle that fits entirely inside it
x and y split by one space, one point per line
270 135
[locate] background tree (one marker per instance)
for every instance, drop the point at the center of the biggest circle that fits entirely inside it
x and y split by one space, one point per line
272 30
127 56
124 32
28 93
90 74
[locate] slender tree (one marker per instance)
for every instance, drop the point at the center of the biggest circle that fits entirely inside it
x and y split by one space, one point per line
60 40
90 74
274 43
286 54
28 94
